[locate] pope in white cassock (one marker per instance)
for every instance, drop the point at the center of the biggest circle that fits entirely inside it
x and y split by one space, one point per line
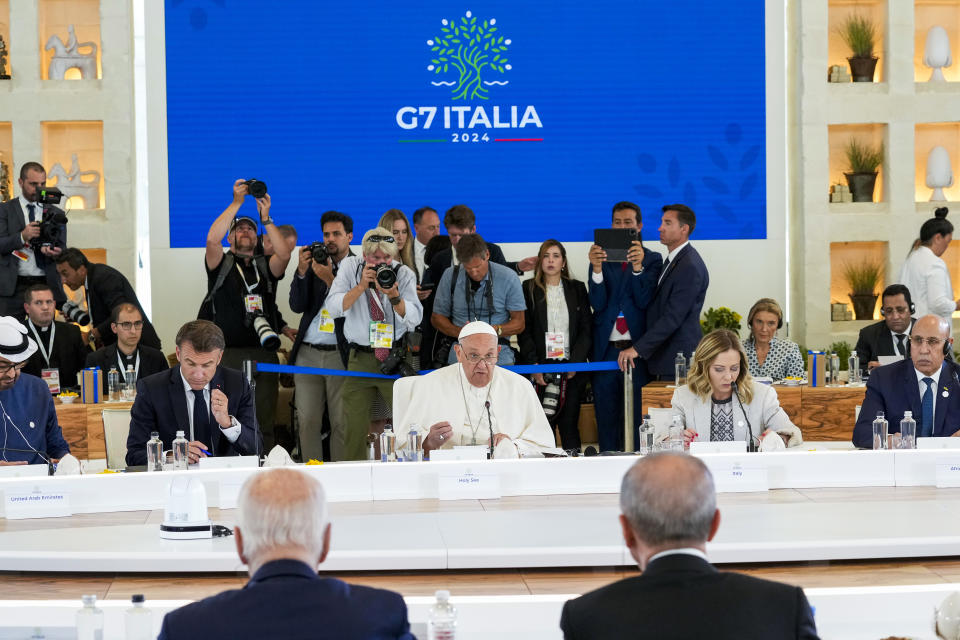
450 406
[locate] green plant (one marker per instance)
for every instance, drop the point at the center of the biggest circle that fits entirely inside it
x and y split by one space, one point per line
863 277
843 350
720 318
859 33
862 157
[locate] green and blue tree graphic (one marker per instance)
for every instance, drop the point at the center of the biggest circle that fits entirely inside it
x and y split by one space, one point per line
474 51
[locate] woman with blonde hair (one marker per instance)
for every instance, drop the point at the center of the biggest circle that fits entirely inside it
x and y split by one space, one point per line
396 222
721 402
767 355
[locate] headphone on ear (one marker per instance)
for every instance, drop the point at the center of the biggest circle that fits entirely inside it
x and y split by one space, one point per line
896 290
946 347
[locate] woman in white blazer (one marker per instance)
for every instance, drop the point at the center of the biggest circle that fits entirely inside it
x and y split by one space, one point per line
713 410
925 273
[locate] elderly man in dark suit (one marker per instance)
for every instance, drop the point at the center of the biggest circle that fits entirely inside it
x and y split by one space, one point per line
669 514
212 405
890 336
673 317
282 534
25 258
924 384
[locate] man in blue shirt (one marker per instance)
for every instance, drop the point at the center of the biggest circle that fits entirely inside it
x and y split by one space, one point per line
478 290
31 434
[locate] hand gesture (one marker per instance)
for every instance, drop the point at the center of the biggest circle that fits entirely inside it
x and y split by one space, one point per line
635 255
367 277
438 435
597 256
527 264
195 450
239 191
218 407
263 206
30 231
304 262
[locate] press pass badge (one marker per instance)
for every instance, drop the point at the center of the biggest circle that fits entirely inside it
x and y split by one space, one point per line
326 322
20 255
253 302
556 346
52 378
381 335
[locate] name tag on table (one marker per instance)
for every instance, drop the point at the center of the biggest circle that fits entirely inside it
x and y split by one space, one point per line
23 470
938 443
733 446
227 462
948 471
39 503
467 484
460 453
740 476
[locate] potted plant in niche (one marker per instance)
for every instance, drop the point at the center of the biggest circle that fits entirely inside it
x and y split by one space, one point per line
859 33
864 161
863 279
720 318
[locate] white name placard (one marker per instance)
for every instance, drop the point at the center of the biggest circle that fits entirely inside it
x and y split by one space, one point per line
733 446
948 471
23 470
227 462
739 476
938 443
470 483
459 453
49 502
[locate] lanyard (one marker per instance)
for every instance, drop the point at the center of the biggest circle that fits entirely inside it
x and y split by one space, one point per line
43 351
123 368
243 278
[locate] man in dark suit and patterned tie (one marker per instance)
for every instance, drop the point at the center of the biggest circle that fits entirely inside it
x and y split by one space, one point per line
669 513
23 261
924 384
890 336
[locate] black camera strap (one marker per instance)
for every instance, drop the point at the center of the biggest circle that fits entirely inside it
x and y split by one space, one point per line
469 297
226 266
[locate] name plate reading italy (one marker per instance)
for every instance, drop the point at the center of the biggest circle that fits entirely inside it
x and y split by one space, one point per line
50 502
948 470
739 476
468 483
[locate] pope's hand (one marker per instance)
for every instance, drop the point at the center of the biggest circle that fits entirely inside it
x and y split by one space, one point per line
498 438
438 435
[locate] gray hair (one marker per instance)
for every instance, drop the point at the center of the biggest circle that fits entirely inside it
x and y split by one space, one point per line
282 508
669 498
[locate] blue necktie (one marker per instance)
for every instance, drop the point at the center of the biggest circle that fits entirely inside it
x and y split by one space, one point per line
926 410
201 418
31 212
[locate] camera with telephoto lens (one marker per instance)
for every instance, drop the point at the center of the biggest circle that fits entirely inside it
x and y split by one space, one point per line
386 276
319 253
396 362
73 311
551 394
256 188
269 339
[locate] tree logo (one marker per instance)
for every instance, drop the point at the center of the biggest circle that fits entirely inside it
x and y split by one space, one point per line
474 51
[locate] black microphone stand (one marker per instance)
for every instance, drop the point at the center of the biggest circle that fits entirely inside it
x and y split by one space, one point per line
490 425
43 456
751 445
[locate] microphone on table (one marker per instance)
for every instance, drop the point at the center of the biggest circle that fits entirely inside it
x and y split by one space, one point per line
490 425
751 445
248 373
43 456
590 451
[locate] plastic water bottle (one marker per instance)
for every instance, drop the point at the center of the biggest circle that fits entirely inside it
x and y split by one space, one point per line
646 436
414 443
89 620
130 386
908 431
113 381
154 452
138 620
676 434
880 431
442 623
834 370
388 445
853 366
680 370
180 459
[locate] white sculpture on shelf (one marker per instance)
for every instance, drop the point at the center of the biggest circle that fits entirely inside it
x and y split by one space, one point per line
939 173
68 56
72 184
936 53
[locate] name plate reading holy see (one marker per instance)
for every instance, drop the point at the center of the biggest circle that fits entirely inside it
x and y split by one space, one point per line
468 483
49 502
739 476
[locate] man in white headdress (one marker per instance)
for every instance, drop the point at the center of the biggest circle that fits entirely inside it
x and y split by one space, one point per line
30 433
463 403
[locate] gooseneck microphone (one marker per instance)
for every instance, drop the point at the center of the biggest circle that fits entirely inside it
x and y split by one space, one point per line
751 445
43 456
490 425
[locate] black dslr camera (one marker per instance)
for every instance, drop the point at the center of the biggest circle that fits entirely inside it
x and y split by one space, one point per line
52 221
386 276
396 362
319 253
256 188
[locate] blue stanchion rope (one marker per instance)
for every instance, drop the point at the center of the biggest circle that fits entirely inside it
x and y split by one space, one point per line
522 369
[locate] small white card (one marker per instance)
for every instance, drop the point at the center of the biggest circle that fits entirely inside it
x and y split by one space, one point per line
740 476
460 453
888 359
733 446
460 483
948 471
938 443
227 462
24 470
40 503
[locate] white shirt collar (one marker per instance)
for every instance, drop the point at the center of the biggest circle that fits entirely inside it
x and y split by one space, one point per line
186 385
690 551
23 205
936 376
419 247
673 254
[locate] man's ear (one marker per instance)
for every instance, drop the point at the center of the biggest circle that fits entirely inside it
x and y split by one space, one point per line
238 540
714 525
326 544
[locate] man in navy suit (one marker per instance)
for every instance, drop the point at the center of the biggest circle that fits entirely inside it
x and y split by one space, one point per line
924 384
669 507
212 405
673 317
282 534
619 295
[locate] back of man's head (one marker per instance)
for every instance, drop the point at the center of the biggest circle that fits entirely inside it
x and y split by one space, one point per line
669 500
282 515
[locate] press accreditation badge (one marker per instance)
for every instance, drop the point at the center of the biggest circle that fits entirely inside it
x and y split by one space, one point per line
52 378
326 322
381 335
253 302
556 346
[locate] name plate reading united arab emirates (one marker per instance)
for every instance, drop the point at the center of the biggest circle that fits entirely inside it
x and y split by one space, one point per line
466 483
49 502
948 470
739 475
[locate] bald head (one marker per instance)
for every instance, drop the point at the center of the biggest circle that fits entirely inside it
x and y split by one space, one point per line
927 343
283 514
669 500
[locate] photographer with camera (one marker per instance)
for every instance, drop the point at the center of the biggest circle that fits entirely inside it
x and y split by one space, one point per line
241 293
320 340
32 233
377 297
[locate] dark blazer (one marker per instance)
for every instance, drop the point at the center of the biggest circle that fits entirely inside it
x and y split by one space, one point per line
161 405
69 354
875 340
12 222
673 317
533 347
151 361
682 596
893 389
622 287
306 296
287 599
108 288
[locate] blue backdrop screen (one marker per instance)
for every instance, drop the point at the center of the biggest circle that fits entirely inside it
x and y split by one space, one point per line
538 115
